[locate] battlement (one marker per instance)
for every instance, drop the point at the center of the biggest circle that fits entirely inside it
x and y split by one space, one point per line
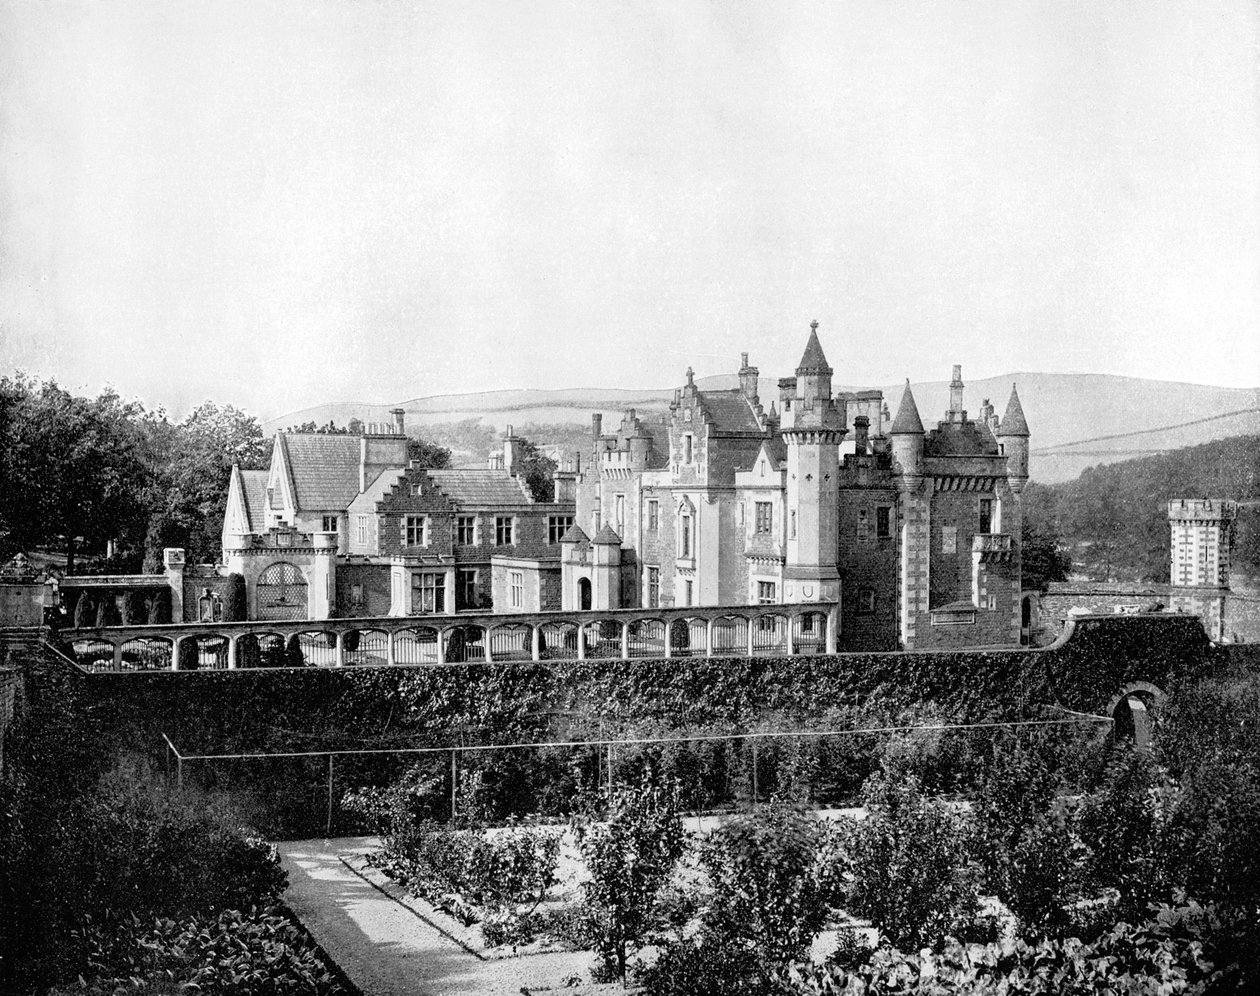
1202 510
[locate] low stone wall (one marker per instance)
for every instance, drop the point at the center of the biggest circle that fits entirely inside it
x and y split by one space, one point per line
10 691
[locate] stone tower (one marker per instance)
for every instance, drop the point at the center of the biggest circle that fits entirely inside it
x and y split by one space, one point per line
1202 541
915 517
1013 435
812 429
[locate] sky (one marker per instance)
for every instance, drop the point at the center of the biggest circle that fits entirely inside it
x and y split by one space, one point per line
277 204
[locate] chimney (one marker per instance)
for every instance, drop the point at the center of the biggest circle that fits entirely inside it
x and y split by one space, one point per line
399 426
597 425
861 431
511 451
748 378
956 412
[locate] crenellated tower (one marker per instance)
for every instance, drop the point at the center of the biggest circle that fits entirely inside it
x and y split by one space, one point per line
812 428
914 541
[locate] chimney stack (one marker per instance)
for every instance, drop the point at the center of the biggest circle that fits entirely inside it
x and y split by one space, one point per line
748 379
597 425
399 427
861 433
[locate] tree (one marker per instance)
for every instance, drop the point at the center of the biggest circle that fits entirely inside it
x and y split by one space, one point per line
630 857
911 877
427 455
235 609
293 656
537 470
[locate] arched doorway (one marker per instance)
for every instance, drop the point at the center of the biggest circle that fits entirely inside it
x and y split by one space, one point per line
281 593
584 594
1131 713
1025 620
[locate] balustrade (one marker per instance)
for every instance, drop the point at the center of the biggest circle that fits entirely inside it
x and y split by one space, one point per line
618 634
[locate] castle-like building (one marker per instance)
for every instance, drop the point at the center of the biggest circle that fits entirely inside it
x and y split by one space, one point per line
914 532
720 501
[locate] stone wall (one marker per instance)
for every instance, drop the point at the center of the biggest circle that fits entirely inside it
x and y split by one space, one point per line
10 690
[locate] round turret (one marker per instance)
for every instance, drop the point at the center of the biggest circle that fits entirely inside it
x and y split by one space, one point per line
907 437
1013 435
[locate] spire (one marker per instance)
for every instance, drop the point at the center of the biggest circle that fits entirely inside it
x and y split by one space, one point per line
907 422
813 360
1013 422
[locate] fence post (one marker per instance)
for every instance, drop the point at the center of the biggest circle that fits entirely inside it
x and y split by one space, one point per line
754 767
453 782
328 826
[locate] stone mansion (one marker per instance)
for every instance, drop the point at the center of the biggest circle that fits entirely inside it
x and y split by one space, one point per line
719 501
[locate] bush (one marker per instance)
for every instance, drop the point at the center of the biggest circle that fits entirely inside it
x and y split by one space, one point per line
160 608
189 654
235 608
293 656
133 607
106 611
630 857
84 611
911 876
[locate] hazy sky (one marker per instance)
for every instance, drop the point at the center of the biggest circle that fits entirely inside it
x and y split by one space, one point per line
278 204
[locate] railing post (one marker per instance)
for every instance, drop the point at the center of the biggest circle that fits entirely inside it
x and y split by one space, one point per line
117 655
176 643
581 640
231 661
832 618
441 646
391 652
790 638
485 636
669 638
340 656
625 640
708 638
535 648
752 629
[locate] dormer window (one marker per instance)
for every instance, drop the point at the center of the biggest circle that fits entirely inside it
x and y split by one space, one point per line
417 490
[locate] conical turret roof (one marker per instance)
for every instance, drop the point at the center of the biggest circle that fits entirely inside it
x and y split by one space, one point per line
607 536
813 360
1013 422
907 422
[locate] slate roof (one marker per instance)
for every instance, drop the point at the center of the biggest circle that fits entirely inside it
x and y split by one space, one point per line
960 439
1013 422
574 534
254 496
378 489
813 360
730 411
907 422
324 468
481 488
607 535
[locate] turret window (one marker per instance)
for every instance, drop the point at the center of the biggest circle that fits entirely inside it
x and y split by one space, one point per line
986 515
684 535
883 522
764 520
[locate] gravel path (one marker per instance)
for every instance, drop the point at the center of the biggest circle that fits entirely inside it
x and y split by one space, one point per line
387 950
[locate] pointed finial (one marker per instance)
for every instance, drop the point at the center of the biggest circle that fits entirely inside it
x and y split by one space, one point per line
690 375
814 325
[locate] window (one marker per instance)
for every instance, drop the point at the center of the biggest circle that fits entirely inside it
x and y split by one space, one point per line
361 528
764 517
502 530
653 515
684 536
330 523
793 523
417 489
429 593
765 593
516 588
883 522
688 589
356 594
866 601
557 526
620 504
986 515
465 588
949 539
465 530
653 587
417 530
687 448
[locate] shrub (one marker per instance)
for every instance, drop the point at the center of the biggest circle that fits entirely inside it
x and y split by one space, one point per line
160 607
235 608
247 652
911 877
106 611
630 857
189 654
133 607
293 656
84 611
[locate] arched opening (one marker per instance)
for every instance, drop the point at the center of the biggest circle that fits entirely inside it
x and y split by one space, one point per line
1131 713
416 646
557 640
512 642
809 633
647 638
365 646
1025 620
730 635
280 593
584 594
146 654
770 635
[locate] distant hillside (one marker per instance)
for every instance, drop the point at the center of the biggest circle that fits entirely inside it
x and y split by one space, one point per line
1077 420
1114 517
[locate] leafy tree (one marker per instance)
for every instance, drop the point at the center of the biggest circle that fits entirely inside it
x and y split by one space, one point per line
84 611
133 607
537 470
293 656
911 877
235 609
160 607
427 455
630 856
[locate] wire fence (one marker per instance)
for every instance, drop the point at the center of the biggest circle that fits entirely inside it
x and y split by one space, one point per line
539 777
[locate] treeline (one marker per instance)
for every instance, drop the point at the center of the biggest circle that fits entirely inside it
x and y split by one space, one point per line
1114 518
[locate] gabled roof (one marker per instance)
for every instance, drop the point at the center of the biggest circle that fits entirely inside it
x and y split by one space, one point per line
813 360
907 422
385 482
607 535
253 497
730 411
323 467
960 439
473 488
1013 422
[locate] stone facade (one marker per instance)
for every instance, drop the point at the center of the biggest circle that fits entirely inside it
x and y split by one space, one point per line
721 501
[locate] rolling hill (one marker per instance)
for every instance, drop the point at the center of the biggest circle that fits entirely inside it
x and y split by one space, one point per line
1077 420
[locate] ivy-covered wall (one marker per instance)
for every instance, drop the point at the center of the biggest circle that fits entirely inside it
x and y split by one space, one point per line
215 712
